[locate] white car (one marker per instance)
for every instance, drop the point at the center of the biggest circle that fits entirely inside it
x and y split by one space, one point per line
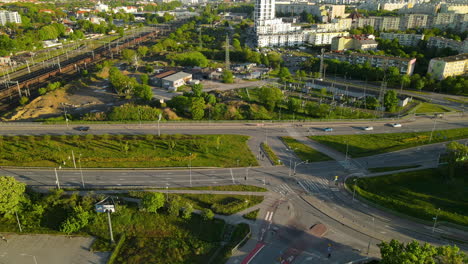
396 125
368 128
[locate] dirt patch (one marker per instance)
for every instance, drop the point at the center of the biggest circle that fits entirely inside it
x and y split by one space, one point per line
76 98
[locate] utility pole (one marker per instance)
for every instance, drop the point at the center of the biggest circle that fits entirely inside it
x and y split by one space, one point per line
227 62
110 227
321 64
57 179
81 172
73 157
17 220
435 220
200 38
433 128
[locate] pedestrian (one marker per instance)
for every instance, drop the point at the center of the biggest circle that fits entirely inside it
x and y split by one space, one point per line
329 249
4 239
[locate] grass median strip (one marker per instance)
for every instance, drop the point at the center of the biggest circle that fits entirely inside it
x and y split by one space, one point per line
271 155
126 151
431 108
305 152
418 194
373 144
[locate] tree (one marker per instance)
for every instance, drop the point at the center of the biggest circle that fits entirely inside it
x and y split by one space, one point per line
187 211
284 74
128 55
193 58
23 100
144 92
395 252
12 194
372 102
144 79
457 154
294 104
270 97
207 214
151 202
76 221
227 76
142 51
197 90
197 108
391 100
173 206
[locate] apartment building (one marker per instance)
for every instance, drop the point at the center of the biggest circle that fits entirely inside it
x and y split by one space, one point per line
404 65
356 42
9 17
325 38
441 68
440 43
403 39
337 24
414 21
324 12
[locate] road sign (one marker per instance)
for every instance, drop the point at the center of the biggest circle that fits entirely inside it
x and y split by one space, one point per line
103 208
336 178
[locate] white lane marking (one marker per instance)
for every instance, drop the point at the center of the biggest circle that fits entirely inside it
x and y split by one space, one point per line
267 215
271 216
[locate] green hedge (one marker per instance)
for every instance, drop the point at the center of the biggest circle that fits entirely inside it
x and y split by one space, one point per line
117 248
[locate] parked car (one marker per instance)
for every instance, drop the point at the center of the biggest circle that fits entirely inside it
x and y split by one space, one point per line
328 129
396 125
368 128
82 128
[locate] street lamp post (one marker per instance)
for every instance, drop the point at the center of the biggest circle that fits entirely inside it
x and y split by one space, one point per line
56 178
346 157
297 164
435 220
354 188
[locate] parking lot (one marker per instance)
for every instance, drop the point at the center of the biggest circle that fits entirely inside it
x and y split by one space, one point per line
50 249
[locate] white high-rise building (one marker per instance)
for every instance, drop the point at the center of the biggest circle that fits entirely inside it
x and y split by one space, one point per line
271 31
9 17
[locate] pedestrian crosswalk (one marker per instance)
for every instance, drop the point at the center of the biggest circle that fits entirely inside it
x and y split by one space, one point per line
283 189
314 186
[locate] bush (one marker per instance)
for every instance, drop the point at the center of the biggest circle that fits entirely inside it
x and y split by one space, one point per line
207 214
23 100
130 112
151 202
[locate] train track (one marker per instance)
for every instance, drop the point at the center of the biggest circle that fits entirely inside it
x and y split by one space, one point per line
27 84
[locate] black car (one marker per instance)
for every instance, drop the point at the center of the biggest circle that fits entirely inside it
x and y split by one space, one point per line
82 128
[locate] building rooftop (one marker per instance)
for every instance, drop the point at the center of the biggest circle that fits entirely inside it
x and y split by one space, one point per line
164 74
459 57
370 55
177 76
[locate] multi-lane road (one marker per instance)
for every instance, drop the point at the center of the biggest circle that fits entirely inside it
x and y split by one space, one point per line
308 197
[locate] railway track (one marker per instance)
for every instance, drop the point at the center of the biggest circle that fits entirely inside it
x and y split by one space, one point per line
27 84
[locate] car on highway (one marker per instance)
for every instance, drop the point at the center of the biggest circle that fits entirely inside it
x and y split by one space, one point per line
396 125
328 129
82 128
368 128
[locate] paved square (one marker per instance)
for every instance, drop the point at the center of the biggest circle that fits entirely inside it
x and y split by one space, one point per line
48 249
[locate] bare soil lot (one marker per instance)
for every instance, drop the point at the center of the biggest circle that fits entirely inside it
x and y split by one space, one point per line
50 249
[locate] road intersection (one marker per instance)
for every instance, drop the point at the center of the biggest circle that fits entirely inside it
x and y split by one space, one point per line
298 201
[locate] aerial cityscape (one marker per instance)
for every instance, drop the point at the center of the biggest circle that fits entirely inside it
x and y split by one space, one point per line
233 132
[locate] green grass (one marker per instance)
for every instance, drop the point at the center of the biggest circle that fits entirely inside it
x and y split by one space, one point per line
385 169
430 108
239 233
305 152
139 151
252 215
220 203
462 101
418 194
271 155
372 144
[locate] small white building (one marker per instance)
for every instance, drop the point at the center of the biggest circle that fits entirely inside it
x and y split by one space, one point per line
174 81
